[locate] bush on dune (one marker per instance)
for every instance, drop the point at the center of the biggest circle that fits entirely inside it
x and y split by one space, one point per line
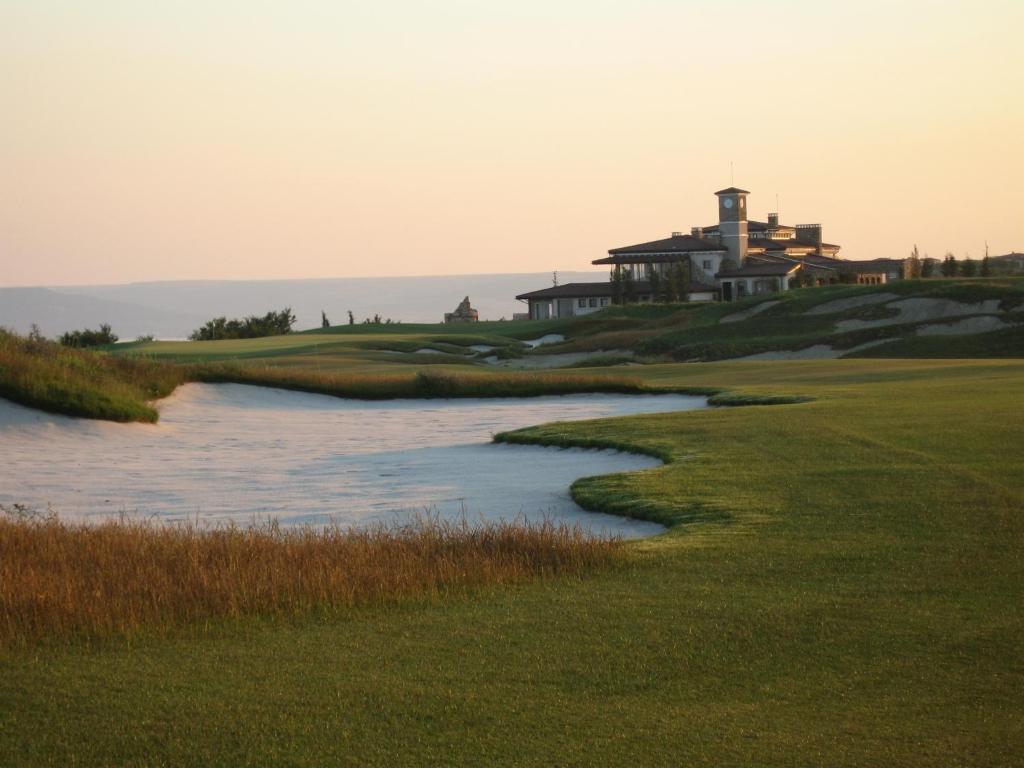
46 375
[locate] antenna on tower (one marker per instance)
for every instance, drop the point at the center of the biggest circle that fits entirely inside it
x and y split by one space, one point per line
732 176
777 211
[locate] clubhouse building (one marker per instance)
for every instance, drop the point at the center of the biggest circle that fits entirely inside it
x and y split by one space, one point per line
727 261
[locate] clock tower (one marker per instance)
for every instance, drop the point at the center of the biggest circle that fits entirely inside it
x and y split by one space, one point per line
732 223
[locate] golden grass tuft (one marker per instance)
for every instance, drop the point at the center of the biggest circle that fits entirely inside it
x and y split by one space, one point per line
63 580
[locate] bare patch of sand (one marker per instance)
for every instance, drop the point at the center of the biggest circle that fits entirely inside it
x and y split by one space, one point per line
969 325
757 309
842 305
816 352
557 360
920 310
234 453
550 338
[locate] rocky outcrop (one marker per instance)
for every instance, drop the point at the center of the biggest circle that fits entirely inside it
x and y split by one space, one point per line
464 313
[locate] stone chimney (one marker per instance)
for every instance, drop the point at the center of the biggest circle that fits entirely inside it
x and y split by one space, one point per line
773 220
697 232
809 234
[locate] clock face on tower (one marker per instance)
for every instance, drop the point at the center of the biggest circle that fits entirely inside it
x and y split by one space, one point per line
727 202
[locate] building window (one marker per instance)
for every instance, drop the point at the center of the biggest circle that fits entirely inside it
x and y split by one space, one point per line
707 264
581 303
593 302
604 301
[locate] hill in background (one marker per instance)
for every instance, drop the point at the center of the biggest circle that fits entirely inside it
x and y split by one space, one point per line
172 310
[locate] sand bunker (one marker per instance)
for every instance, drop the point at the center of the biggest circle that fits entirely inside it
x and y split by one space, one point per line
550 338
842 305
735 317
921 310
237 453
964 327
816 352
557 360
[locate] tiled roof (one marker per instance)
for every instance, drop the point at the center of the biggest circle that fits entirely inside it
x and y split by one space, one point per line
574 290
586 290
732 191
674 244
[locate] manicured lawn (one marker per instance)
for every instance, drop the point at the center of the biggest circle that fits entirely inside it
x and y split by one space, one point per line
842 587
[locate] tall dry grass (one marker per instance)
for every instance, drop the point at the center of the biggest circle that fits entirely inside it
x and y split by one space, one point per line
62 580
421 384
82 382
98 385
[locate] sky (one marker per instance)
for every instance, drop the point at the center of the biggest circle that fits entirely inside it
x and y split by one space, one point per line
249 139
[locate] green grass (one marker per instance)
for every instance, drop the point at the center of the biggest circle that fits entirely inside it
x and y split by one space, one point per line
42 374
841 586
682 332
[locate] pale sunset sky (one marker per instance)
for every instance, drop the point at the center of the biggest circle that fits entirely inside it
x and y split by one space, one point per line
247 139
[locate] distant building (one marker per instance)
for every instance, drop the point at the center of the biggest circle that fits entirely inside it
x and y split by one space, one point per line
736 257
728 261
575 299
464 313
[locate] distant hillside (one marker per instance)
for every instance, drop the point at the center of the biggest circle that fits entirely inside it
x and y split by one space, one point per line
56 311
915 318
1008 264
172 310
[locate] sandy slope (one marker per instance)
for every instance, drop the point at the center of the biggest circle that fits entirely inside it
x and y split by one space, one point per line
231 452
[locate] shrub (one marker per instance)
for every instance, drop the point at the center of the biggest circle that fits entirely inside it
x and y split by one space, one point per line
88 338
251 327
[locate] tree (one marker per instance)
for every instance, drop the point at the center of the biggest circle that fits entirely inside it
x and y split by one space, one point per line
969 267
986 265
656 288
681 269
928 267
672 285
324 322
617 285
949 265
912 266
351 318
251 327
87 337
628 287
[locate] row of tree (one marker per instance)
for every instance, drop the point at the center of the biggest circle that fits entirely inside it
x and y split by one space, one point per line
83 338
667 288
251 327
916 266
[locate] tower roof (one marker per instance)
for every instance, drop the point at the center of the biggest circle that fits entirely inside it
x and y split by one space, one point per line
732 191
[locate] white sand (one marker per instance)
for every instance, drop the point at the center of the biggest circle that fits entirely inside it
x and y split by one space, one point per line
841 305
429 351
550 338
757 309
557 360
969 325
920 310
239 453
816 352
481 347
